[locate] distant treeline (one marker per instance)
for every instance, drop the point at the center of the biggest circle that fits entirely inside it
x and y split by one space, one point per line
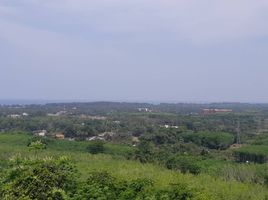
103 108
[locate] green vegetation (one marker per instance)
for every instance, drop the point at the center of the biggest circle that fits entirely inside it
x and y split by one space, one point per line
96 147
37 179
252 153
133 151
211 140
104 176
55 179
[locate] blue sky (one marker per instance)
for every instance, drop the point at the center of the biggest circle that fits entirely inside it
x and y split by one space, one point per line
142 50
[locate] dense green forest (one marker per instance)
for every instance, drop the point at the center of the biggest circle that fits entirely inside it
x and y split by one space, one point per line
133 151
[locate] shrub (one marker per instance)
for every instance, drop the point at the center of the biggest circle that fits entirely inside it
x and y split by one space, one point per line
100 185
184 164
43 140
37 145
96 147
39 179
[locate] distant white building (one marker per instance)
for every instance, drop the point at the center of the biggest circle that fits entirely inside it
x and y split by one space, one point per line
83 116
144 110
94 138
61 112
57 114
59 136
14 116
51 115
25 114
105 134
135 141
216 111
41 133
168 126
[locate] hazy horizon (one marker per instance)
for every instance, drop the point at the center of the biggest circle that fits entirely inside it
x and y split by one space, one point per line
134 51
47 101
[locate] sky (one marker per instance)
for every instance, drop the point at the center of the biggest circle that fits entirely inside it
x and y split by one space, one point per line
134 50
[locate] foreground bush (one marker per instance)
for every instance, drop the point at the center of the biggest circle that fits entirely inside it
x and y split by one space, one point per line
38 179
103 186
54 179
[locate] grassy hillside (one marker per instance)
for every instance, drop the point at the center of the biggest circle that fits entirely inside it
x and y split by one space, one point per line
14 144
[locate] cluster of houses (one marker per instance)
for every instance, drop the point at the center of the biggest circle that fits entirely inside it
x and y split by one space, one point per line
215 111
83 116
144 110
43 133
60 135
169 126
16 116
101 137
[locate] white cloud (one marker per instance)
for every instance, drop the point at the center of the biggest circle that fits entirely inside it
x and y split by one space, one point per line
196 21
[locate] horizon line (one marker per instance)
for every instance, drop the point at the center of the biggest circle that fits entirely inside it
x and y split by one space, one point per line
14 101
